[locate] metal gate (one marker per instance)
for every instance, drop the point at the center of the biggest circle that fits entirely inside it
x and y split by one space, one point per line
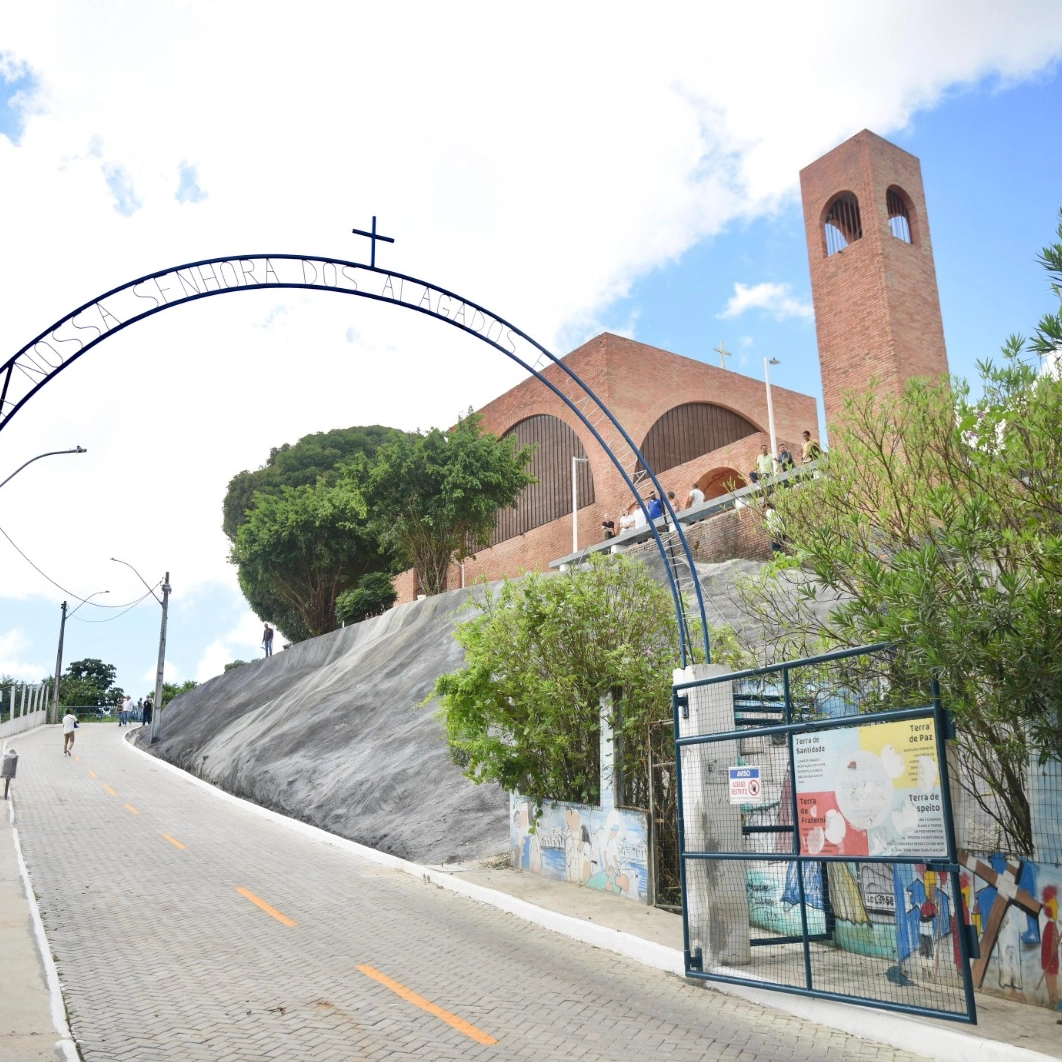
817 851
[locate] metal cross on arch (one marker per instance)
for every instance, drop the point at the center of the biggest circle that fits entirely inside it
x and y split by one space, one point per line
374 238
72 336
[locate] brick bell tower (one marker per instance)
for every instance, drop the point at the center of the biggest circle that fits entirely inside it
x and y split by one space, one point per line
873 281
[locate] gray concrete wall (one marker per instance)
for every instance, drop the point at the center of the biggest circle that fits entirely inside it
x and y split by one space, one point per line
330 731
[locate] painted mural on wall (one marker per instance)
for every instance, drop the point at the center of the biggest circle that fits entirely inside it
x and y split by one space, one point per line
599 848
1014 905
907 914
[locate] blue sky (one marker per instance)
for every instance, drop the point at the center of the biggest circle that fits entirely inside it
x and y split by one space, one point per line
991 159
653 171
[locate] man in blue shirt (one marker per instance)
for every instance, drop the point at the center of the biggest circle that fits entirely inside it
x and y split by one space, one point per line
656 507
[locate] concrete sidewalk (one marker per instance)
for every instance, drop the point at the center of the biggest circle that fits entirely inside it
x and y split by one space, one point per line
1004 1030
32 1021
32 1025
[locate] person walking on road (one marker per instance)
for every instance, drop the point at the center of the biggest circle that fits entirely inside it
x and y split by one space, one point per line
146 713
8 768
267 640
69 726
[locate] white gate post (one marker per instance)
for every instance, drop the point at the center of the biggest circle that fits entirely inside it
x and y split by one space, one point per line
717 903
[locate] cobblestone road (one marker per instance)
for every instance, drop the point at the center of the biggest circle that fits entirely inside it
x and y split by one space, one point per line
186 927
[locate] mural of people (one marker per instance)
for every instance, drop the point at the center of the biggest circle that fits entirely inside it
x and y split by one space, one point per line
578 851
612 875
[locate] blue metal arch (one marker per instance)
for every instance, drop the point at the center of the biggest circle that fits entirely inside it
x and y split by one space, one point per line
39 368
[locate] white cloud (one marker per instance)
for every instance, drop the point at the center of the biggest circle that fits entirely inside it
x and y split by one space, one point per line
242 642
171 672
13 647
775 299
188 190
542 197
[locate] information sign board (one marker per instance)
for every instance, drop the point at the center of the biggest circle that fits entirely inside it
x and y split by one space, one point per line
870 790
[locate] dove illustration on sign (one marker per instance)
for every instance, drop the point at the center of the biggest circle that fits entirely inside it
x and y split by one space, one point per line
892 761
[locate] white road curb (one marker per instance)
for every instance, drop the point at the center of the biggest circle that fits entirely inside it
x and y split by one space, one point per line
897 1030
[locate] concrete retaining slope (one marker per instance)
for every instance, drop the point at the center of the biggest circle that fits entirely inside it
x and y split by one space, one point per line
329 731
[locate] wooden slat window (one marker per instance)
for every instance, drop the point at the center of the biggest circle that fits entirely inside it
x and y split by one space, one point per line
688 431
551 496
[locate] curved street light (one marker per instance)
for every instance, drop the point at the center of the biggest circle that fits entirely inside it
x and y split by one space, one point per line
59 655
50 453
156 714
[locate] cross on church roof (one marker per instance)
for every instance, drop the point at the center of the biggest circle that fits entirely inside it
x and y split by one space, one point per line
374 237
723 353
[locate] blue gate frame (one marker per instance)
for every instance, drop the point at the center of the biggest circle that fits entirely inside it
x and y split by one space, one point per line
768 709
66 340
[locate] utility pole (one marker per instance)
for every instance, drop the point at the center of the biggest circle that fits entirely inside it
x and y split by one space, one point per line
54 715
156 715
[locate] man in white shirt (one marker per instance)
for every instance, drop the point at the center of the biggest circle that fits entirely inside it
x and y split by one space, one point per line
69 725
695 497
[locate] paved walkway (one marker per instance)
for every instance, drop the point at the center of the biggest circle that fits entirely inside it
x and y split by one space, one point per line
185 926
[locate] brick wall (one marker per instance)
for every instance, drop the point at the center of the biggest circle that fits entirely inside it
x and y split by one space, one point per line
877 310
639 384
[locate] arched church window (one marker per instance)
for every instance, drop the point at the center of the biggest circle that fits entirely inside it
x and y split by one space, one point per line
691 430
551 497
842 224
899 214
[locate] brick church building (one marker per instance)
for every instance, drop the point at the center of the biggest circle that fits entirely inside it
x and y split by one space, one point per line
877 316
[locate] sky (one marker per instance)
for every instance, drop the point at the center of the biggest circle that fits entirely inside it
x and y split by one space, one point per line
574 168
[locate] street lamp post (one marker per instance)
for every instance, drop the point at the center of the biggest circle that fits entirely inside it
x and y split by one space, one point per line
50 453
59 655
767 363
575 501
156 714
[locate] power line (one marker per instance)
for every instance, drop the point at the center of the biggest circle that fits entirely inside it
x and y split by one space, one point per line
125 609
69 593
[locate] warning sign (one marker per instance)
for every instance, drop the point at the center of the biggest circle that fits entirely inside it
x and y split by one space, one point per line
745 785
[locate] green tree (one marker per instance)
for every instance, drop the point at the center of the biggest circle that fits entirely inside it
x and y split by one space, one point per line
315 463
524 710
436 495
323 453
299 550
374 594
89 682
175 689
233 664
937 525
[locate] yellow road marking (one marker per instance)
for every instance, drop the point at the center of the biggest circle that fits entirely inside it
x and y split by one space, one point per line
174 841
130 808
108 789
93 774
419 1001
265 907
77 759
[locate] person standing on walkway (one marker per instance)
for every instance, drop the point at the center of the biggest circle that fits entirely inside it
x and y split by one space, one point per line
8 769
655 506
695 497
146 713
267 640
69 726
810 449
764 465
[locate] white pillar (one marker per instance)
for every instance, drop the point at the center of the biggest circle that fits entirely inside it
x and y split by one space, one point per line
717 903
